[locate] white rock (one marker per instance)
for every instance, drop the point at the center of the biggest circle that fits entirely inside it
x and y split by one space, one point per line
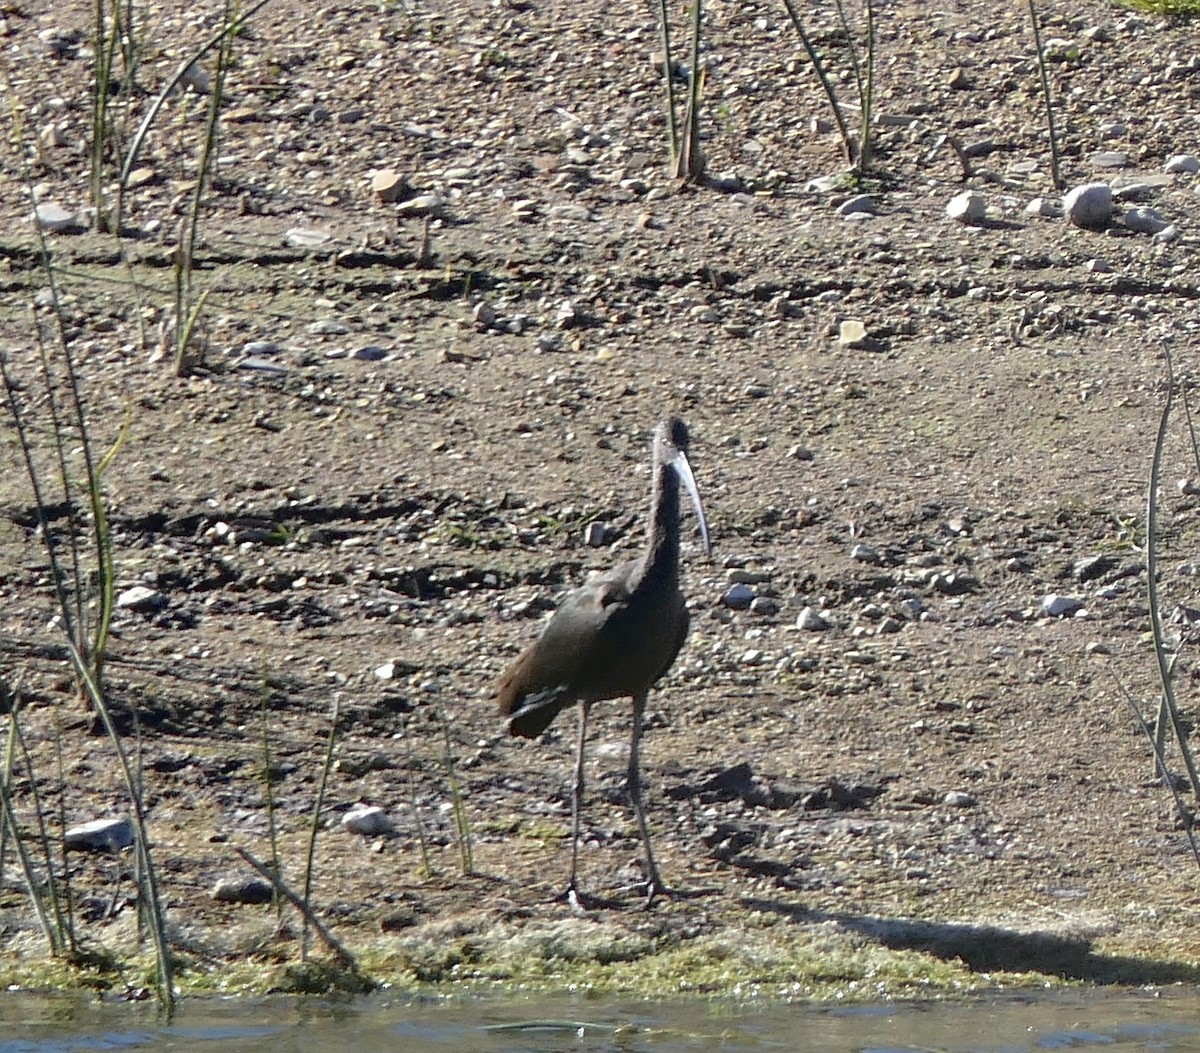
958 799
595 534
852 333
1061 606
307 237
1182 163
1144 221
484 315
50 216
865 554
1044 207
141 598
860 203
101 835
1098 266
967 207
1089 206
1168 233
366 819
738 597
812 620
385 671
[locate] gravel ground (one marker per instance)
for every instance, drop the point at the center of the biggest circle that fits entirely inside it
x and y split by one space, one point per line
403 415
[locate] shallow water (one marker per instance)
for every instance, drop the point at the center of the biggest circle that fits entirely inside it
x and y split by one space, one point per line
1117 1022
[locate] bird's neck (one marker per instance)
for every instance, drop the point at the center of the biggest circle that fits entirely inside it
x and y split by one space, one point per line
661 561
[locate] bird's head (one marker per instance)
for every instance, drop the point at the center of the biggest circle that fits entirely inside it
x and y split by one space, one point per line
670 448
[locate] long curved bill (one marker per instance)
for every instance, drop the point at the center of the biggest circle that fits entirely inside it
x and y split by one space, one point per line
680 463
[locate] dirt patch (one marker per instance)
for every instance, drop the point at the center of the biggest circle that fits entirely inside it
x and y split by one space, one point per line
942 784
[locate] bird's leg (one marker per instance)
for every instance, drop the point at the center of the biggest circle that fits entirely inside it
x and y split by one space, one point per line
577 797
655 880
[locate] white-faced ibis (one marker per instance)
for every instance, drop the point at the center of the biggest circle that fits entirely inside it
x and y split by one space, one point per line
613 637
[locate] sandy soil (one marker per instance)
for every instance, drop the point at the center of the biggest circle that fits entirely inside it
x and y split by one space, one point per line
943 787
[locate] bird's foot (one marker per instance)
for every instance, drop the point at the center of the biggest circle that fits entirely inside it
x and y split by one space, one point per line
654 888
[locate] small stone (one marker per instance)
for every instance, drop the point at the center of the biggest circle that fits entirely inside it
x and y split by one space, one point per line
484 315
595 534
967 208
367 820
101 835
1184 163
1188 487
1144 221
385 671
389 186
422 205
242 890
55 218
1169 233
738 598
1092 567
958 799
764 605
860 203
959 80
141 598
1089 206
1109 159
1061 606
307 237
865 554
1098 266
741 576
1058 49
370 353
799 453
1044 207
811 620
852 333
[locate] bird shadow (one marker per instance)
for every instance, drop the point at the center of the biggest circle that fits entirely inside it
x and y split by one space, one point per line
990 948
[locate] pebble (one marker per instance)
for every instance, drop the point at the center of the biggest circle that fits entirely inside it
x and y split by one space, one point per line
865 554
388 186
1089 206
764 605
738 597
1184 163
852 333
366 819
859 204
422 205
370 353
958 799
1169 233
741 576
141 598
101 835
1098 266
799 453
967 207
1058 606
1145 221
242 890
1044 207
307 237
1109 159
812 620
52 217
595 535
484 315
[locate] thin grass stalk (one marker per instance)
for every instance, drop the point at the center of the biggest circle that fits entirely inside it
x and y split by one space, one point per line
315 827
149 897
866 146
1185 815
462 826
690 164
1191 425
1051 131
814 57
1168 709
669 81
422 843
344 956
67 898
269 791
139 137
53 934
855 59
104 46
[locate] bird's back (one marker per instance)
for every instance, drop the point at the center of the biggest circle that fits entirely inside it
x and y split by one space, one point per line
612 637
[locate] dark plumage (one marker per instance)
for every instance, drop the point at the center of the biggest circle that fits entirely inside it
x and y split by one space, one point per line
614 636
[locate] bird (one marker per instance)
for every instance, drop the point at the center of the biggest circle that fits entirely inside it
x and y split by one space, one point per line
613 637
